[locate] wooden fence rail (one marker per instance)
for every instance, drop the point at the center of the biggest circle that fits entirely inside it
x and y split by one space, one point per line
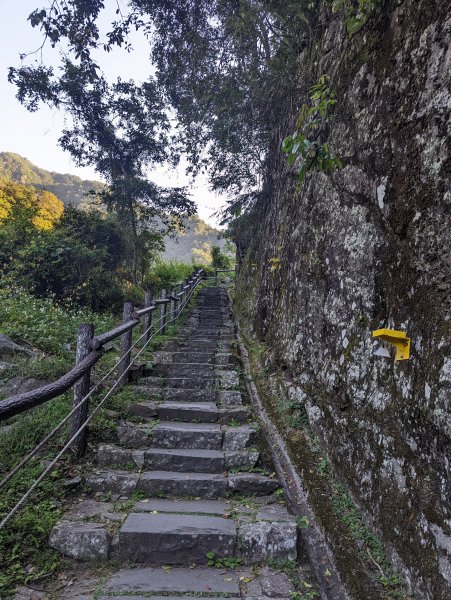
90 350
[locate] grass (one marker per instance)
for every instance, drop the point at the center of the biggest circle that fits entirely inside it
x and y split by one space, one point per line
25 556
24 553
43 323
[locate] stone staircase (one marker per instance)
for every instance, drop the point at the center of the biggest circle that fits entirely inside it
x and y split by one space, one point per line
179 486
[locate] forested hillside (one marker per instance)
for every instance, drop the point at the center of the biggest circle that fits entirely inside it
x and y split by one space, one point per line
195 242
70 189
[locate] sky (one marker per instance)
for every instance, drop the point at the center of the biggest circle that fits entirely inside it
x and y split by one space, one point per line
35 135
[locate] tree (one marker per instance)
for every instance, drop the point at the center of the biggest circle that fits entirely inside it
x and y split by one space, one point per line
122 130
218 259
81 259
28 206
228 67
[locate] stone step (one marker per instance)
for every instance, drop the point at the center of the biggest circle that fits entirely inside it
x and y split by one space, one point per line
187 435
186 357
153 597
265 530
175 459
175 505
189 346
191 412
204 485
192 383
195 335
196 461
192 370
175 539
122 483
179 434
203 412
171 484
179 394
223 378
183 580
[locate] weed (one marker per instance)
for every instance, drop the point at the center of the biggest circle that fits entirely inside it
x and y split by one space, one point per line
230 562
304 595
302 522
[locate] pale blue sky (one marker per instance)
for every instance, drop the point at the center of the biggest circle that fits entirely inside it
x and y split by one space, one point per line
35 135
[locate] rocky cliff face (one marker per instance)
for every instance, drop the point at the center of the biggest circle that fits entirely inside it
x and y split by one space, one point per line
365 247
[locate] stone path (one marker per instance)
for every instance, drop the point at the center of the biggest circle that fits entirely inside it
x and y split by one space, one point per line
178 488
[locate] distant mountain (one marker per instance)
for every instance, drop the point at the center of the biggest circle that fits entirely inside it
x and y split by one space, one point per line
195 242
68 188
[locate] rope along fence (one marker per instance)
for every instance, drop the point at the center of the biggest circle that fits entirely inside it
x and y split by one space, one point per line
82 393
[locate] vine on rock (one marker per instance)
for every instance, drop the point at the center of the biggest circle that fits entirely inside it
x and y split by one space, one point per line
356 12
305 143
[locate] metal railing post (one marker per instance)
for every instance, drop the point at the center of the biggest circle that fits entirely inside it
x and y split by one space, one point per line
85 334
147 321
126 344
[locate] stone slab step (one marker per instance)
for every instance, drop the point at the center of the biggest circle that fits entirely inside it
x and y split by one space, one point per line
187 435
187 346
203 412
196 461
193 357
175 484
192 383
135 597
179 460
175 539
147 410
191 370
199 460
177 434
199 338
171 484
82 541
122 483
181 580
208 507
177 394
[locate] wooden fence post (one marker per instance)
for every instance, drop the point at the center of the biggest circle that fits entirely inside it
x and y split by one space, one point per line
182 297
173 304
126 343
147 321
85 334
164 310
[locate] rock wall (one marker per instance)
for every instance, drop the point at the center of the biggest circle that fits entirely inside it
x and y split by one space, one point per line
365 247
